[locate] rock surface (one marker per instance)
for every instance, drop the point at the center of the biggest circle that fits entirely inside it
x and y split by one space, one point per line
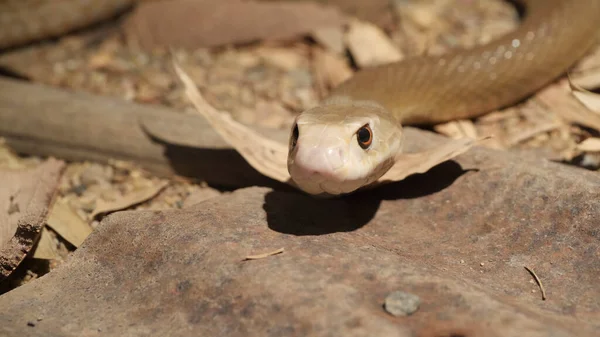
458 237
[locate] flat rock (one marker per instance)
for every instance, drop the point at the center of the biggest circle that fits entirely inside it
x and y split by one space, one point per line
458 237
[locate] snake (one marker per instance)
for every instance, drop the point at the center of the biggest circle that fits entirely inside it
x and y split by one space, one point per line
354 137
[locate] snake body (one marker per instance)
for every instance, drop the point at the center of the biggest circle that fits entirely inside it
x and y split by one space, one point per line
328 152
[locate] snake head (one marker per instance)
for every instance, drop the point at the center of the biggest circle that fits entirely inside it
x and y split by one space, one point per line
341 146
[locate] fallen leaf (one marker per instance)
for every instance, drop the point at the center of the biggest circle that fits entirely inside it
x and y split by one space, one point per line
589 145
46 247
370 46
283 58
586 73
68 224
129 199
330 70
589 99
457 129
209 23
331 38
559 99
521 135
263 154
420 162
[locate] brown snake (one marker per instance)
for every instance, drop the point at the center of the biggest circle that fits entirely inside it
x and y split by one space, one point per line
354 137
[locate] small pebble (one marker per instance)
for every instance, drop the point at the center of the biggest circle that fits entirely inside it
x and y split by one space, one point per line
30 324
400 303
482 264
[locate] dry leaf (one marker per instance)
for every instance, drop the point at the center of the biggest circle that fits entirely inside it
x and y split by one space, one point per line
46 247
331 38
370 46
128 200
68 224
411 163
457 129
263 154
521 135
330 71
589 145
587 72
283 58
559 99
589 99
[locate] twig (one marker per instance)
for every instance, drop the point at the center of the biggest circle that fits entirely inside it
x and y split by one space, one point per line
262 256
539 282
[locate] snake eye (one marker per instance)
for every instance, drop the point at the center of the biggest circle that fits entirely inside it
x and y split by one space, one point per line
364 136
294 137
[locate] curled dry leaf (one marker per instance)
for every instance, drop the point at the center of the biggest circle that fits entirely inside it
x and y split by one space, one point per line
265 155
128 200
421 162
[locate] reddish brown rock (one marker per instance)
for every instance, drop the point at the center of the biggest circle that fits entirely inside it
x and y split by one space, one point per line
457 237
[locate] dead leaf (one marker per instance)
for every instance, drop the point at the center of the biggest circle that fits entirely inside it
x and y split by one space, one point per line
457 129
370 46
589 145
68 224
587 72
589 99
128 200
559 99
331 38
420 162
283 58
209 23
330 71
521 135
263 154
46 247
